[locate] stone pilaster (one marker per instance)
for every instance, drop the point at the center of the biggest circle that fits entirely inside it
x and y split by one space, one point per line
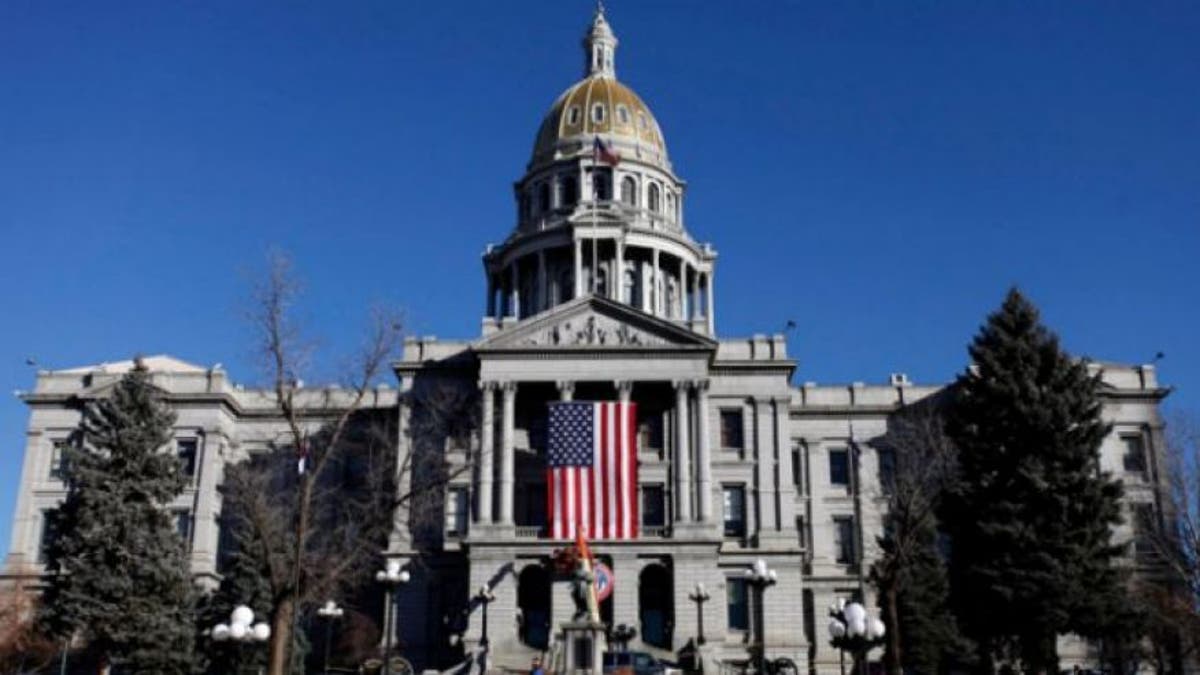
683 491
704 488
507 458
487 452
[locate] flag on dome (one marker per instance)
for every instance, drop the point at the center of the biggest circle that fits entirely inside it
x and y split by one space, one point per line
604 152
591 470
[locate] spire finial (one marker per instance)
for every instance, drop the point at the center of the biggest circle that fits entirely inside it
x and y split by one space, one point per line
599 46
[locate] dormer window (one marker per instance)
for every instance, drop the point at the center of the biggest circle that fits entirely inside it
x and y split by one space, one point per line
573 115
622 114
598 113
652 198
642 121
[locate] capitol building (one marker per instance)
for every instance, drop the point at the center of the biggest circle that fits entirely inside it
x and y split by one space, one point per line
598 293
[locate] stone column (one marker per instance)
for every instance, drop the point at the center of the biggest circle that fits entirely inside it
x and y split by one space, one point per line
619 281
566 390
543 299
764 456
703 454
515 291
578 267
655 275
683 291
693 296
487 450
785 489
683 493
709 310
507 461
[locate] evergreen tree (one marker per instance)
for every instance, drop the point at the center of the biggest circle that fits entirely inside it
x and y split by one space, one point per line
119 574
1032 539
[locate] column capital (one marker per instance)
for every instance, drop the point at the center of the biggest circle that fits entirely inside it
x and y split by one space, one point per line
682 385
566 389
701 386
509 388
488 385
623 386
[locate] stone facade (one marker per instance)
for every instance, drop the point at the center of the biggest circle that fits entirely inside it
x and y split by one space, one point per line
599 293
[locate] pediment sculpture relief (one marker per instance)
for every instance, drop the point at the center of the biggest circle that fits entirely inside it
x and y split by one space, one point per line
595 331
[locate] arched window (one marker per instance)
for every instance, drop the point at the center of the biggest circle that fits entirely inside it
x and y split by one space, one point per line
598 113
601 188
671 204
622 114
652 198
573 115
569 191
656 611
543 198
629 191
533 599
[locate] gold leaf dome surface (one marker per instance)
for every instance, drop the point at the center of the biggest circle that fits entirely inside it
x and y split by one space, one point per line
599 105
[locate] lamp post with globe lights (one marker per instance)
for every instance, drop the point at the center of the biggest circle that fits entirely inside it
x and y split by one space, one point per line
759 576
699 595
330 612
852 629
241 628
391 576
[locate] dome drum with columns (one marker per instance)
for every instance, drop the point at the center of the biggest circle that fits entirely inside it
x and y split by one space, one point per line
632 213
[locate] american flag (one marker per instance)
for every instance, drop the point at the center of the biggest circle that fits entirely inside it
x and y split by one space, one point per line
604 152
591 470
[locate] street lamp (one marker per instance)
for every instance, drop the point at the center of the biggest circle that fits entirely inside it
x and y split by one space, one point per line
699 595
391 577
330 613
760 577
241 628
853 630
621 634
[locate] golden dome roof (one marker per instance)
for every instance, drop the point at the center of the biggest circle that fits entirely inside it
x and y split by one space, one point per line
599 105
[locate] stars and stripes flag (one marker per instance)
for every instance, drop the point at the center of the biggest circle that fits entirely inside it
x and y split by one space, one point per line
604 152
591 470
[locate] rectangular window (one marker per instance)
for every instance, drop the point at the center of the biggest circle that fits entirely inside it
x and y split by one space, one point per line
737 604
457 506
651 431
185 449
839 467
798 468
183 526
48 534
735 510
654 512
731 429
58 458
887 470
1144 528
226 544
1134 459
843 539
802 531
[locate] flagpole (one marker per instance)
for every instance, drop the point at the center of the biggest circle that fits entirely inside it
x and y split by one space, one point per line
595 217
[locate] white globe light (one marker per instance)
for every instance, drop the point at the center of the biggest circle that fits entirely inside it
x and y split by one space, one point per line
220 632
404 577
858 628
699 588
854 612
262 632
837 629
243 615
760 568
238 631
772 575
380 576
878 628
393 568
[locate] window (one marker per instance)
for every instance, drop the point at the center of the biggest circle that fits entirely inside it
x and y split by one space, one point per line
843 539
48 535
183 526
185 450
652 198
652 431
731 429
642 121
573 115
58 458
839 467
1143 530
226 544
737 604
654 502
798 468
569 191
456 512
600 187
598 113
543 198
1134 459
623 114
887 469
735 511
802 531
671 204
628 191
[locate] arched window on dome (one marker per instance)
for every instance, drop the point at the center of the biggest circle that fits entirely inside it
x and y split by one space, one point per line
573 115
568 190
543 198
670 204
622 114
629 191
652 198
598 113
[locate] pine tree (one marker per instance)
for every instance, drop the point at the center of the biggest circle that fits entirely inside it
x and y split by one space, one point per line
119 574
1033 553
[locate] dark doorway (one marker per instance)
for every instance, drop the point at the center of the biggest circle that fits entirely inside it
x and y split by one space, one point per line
656 611
533 599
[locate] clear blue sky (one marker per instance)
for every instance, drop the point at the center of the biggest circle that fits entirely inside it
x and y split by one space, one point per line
880 172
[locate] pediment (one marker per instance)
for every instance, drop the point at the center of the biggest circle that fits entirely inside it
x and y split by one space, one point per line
595 323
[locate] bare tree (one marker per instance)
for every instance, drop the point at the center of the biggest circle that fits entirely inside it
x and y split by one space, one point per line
319 529
24 647
923 463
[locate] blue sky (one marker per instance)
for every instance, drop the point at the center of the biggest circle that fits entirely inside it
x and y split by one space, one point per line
878 172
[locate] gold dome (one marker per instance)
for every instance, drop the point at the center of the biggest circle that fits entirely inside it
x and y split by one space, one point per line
599 105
